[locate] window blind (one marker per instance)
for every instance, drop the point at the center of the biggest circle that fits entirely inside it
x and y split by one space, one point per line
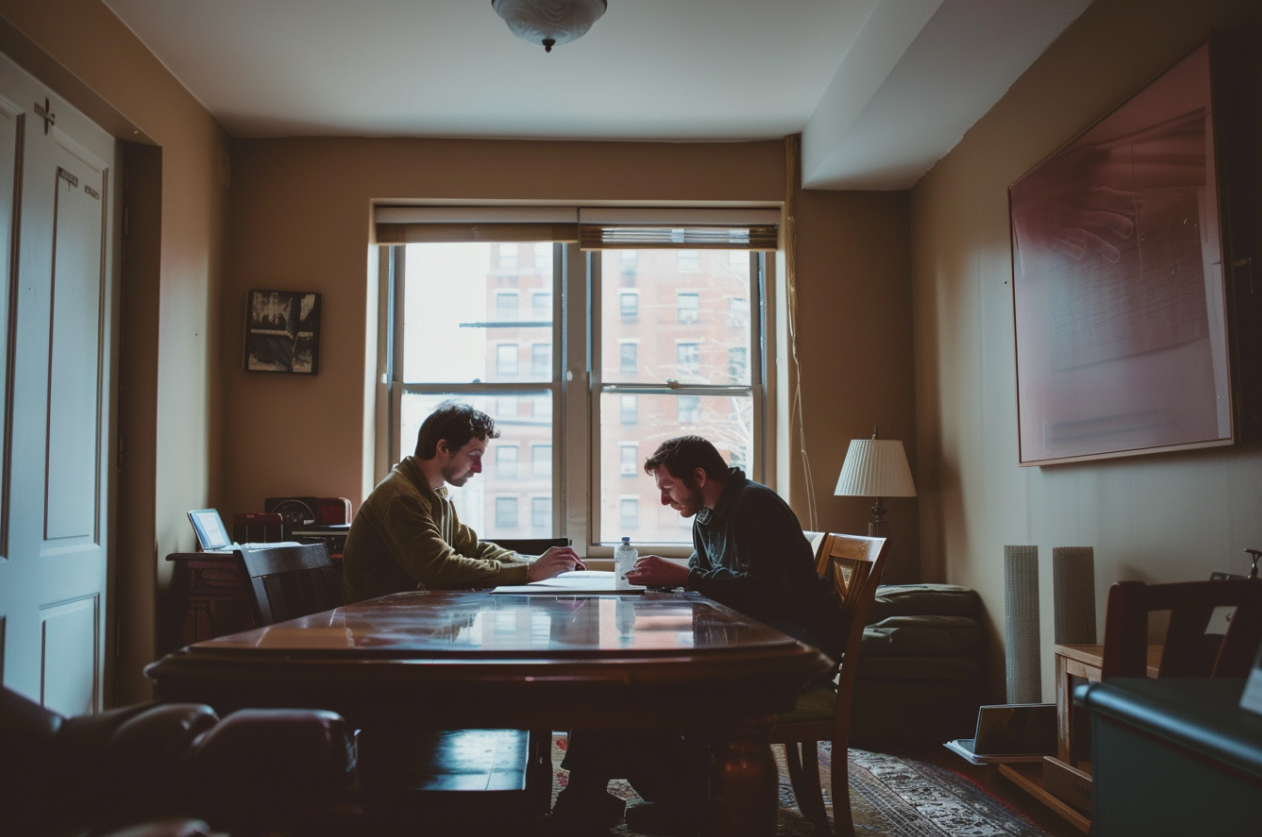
601 228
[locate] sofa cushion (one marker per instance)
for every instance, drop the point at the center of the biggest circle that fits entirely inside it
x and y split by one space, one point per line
927 599
922 636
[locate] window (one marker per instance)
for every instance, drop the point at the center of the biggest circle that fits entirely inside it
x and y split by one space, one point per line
506 305
689 306
541 462
628 357
462 325
629 305
505 513
540 359
629 456
689 409
688 357
629 513
738 364
541 515
506 359
628 409
506 462
541 304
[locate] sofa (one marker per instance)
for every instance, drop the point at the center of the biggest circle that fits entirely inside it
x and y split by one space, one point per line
919 678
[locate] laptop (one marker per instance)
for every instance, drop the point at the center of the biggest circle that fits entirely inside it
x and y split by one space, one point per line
212 536
1010 732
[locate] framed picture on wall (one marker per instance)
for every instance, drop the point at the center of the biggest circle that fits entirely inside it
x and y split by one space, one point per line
1119 295
282 332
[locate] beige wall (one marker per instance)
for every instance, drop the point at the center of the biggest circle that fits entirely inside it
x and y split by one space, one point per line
169 298
1155 518
300 208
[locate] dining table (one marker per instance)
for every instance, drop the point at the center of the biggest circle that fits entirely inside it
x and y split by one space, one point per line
445 660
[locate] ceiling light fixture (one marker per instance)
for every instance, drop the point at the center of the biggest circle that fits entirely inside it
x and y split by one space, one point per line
549 22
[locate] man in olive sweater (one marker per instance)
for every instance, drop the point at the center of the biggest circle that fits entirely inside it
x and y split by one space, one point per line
407 536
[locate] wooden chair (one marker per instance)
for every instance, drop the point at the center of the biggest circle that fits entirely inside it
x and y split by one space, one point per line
288 581
854 564
1188 651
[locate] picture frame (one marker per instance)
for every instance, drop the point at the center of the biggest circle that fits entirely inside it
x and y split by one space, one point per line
1120 302
282 332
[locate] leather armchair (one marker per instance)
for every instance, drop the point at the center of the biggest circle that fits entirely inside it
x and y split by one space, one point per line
170 769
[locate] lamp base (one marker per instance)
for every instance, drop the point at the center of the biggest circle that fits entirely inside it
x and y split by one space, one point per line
878 529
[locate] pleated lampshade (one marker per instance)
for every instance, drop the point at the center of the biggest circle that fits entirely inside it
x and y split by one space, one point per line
875 468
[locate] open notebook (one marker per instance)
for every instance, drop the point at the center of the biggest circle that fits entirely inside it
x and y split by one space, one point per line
577 581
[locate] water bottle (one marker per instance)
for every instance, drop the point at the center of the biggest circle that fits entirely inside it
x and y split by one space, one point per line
623 561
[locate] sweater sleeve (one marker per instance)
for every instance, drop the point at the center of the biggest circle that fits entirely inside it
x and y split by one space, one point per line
413 536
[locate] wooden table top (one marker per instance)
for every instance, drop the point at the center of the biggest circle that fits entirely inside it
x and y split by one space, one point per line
470 657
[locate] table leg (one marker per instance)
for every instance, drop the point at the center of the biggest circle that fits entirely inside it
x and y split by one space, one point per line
744 797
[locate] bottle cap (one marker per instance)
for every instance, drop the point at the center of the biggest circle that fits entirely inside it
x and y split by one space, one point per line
627 541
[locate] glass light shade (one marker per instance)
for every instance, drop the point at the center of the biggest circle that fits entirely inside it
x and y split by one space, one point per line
549 22
875 468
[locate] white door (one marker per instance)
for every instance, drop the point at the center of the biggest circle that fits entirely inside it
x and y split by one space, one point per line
55 295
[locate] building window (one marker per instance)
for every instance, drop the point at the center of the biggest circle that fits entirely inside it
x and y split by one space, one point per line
506 359
628 410
507 258
506 305
689 306
737 313
688 261
629 513
689 409
506 462
541 462
628 357
688 357
738 364
541 359
628 261
629 459
628 305
506 512
541 514
541 305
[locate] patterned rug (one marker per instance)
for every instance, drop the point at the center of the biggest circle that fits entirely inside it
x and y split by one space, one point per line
889 797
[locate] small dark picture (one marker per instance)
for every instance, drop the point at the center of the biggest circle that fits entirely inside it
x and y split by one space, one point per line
282 332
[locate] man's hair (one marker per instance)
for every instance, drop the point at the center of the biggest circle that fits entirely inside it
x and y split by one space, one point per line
683 455
455 422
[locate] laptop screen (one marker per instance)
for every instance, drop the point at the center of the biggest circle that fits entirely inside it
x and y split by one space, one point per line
211 533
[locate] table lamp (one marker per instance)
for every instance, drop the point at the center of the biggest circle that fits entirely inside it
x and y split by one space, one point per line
875 468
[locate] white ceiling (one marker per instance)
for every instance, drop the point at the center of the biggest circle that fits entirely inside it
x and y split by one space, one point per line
880 89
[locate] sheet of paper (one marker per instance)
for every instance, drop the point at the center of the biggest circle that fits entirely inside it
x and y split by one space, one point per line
578 581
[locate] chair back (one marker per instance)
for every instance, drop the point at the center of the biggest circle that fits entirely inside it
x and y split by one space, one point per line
854 564
289 580
1188 650
530 546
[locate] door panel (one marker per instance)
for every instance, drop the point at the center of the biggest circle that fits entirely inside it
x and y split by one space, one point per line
53 574
68 658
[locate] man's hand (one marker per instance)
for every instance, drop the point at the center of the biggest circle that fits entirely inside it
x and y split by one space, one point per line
557 560
655 571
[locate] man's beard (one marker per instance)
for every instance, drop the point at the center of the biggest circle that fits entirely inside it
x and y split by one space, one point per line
449 476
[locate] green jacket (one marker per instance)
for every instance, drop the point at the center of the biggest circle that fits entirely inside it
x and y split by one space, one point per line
406 536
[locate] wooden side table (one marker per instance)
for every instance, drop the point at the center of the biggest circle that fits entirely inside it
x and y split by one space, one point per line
207 598
1075 664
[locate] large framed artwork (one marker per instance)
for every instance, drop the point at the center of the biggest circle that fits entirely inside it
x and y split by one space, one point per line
282 332
1118 288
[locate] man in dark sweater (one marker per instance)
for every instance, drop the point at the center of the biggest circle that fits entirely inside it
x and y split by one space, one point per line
750 554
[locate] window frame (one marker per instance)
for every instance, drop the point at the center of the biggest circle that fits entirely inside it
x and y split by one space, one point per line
575 386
